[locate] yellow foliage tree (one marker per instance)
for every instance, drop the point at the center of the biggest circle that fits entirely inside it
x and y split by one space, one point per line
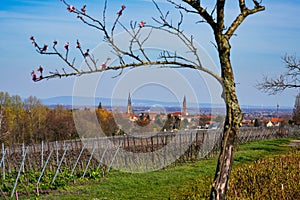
107 122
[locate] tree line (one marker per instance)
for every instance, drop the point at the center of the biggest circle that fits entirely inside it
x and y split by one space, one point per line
29 121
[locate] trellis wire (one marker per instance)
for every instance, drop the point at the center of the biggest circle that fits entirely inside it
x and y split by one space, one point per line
21 167
78 158
204 143
44 167
56 144
23 154
2 163
102 157
42 154
91 156
58 167
205 140
113 159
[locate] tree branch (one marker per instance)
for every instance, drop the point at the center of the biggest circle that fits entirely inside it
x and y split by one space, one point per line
202 12
220 16
287 80
165 59
244 12
165 64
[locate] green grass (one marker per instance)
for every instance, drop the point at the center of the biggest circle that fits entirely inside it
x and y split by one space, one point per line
163 184
252 151
152 185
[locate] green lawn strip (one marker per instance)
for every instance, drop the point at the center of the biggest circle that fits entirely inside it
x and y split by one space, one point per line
253 151
163 184
153 185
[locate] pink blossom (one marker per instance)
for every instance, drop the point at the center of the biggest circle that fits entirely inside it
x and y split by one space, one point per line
83 9
40 69
34 77
67 46
142 24
120 12
86 54
78 46
34 44
45 48
71 8
103 66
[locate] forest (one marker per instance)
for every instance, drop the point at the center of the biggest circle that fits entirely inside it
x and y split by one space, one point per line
29 121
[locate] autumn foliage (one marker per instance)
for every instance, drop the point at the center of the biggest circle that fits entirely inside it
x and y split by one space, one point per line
107 122
29 121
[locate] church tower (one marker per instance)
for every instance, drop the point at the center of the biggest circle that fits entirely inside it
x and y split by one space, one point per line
129 106
184 113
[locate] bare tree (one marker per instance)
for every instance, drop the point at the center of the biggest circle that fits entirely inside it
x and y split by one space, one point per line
288 79
215 18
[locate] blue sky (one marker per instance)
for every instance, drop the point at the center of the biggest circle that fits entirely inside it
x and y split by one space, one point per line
256 50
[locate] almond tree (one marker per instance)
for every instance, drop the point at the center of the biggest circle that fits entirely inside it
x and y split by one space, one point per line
214 18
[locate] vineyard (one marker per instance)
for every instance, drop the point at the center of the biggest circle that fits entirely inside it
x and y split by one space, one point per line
35 169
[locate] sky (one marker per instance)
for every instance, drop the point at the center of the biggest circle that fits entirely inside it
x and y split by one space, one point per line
257 48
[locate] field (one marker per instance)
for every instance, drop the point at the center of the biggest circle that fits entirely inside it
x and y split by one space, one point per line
166 183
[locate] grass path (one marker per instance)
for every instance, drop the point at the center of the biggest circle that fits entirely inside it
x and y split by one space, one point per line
163 184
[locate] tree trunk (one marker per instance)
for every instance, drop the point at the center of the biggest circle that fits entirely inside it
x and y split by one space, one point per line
232 122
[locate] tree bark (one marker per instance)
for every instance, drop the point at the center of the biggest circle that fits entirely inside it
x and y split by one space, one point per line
232 121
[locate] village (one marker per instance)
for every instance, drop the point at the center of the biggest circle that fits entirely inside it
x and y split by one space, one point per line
177 118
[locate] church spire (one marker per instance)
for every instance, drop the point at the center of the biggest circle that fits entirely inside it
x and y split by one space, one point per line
184 106
129 106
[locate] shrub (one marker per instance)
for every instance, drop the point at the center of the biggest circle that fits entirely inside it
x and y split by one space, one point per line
269 178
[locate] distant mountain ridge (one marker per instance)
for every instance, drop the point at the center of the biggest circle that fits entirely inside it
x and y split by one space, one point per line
92 102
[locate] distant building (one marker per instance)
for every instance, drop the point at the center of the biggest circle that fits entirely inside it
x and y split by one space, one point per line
184 113
269 124
129 106
277 120
172 119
